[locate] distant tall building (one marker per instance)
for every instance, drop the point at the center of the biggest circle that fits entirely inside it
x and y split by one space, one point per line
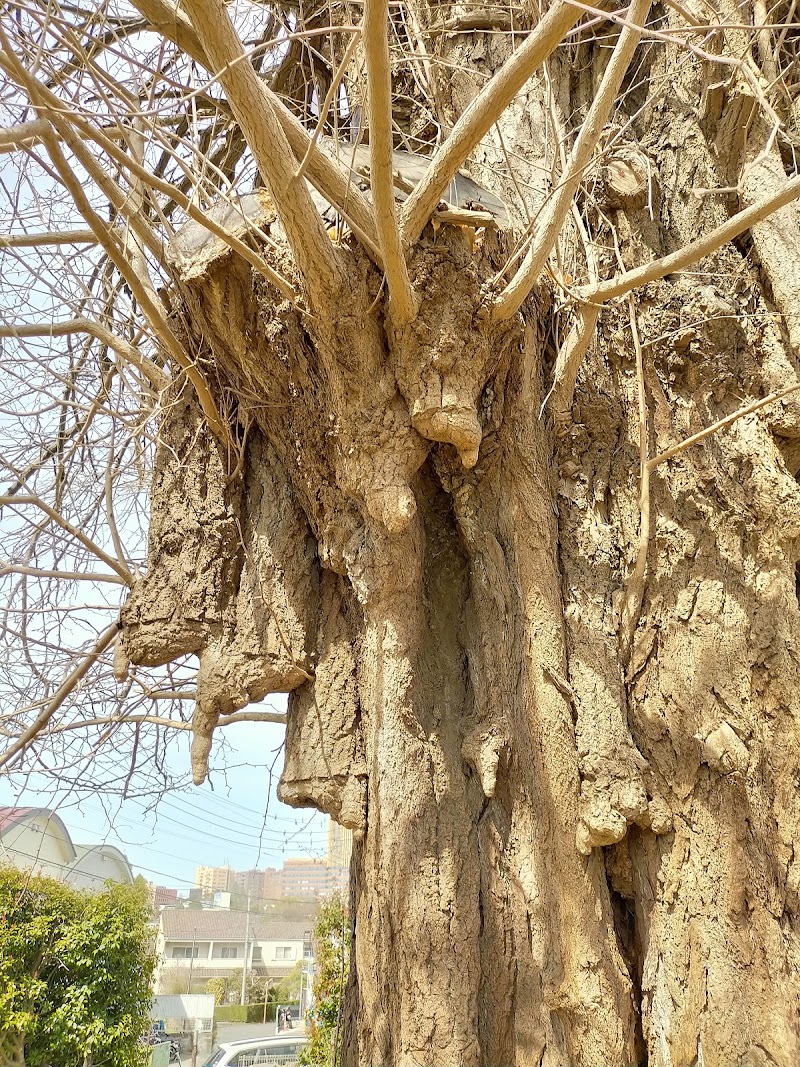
213 879
340 844
160 896
261 885
305 879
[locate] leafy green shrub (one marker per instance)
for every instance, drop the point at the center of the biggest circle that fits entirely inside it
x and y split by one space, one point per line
75 971
332 941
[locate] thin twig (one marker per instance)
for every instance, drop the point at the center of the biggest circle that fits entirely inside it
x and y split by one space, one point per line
662 457
482 113
116 565
158 720
66 576
157 378
67 686
635 585
558 207
326 103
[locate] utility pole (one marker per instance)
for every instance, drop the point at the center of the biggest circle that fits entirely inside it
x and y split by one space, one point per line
246 944
191 961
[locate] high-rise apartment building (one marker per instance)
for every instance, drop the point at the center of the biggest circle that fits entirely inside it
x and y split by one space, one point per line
340 844
305 879
260 885
213 879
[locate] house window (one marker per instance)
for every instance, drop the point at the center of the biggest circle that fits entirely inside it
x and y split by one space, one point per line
284 952
229 953
188 953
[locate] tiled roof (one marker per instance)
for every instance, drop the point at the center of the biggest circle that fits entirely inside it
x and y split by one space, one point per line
183 924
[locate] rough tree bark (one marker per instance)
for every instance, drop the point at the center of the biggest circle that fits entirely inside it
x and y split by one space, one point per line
572 781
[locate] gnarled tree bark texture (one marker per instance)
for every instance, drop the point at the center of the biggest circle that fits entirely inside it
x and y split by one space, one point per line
573 783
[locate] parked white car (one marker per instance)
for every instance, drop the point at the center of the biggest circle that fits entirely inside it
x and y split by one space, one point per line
280 1051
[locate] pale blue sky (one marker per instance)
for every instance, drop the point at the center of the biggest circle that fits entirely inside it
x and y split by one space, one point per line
239 821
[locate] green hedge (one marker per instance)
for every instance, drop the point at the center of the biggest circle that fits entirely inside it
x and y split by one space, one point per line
243 1013
231 1013
249 1013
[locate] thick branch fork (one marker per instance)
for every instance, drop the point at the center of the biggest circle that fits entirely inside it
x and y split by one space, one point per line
323 173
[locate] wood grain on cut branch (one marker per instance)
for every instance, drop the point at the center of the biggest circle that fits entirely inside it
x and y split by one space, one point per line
559 204
27 737
157 377
106 139
257 262
316 257
481 115
402 304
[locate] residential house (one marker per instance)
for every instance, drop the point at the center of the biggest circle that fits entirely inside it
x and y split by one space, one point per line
36 840
203 944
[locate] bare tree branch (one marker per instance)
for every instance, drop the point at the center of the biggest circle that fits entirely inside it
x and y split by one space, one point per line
328 178
402 303
481 115
720 424
115 564
157 378
317 258
61 694
174 724
65 576
558 207
37 240
696 250
15 137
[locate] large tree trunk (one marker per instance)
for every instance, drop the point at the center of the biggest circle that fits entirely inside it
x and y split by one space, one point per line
573 782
